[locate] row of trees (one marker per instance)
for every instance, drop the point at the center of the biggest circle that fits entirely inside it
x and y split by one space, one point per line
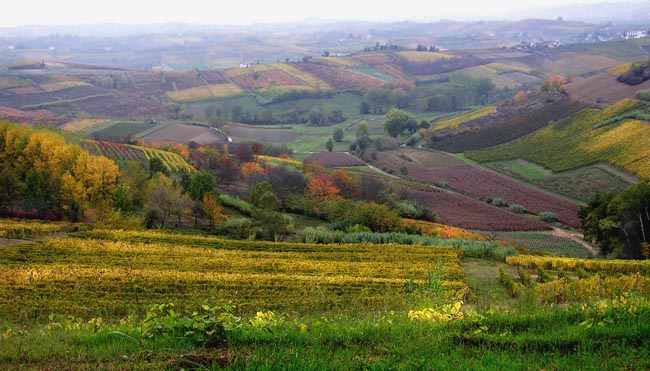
219 115
42 175
620 224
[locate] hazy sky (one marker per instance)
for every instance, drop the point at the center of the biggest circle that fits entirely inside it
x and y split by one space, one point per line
68 12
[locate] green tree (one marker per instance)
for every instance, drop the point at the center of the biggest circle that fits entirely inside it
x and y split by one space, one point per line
329 144
395 121
338 135
363 134
156 165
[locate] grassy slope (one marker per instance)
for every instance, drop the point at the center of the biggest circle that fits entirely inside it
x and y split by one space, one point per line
575 142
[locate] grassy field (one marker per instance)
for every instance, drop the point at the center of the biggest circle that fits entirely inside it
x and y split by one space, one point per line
546 242
120 131
580 140
580 184
159 301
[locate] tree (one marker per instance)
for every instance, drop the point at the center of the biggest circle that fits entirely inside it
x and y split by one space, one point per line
163 198
285 182
483 88
329 144
619 224
399 98
395 121
321 188
363 134
10 188
262 196
201 183
338 135
156 165
212 208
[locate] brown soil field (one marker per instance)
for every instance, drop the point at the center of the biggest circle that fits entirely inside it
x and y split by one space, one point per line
603 88
180 133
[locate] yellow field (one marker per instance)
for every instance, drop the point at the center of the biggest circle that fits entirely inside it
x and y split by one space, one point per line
245 71
459 119
117 273
203 92
82 124
56 86
414 56
307 78
620 69
275 91
10 82
340 61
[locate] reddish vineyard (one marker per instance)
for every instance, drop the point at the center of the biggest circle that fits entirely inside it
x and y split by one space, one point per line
182 80
374 58
115 151
466 212
20 100
334 159
126 105
214 77
265 79
508 130
436 167
338 77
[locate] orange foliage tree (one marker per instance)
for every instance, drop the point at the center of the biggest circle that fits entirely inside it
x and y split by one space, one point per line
321 188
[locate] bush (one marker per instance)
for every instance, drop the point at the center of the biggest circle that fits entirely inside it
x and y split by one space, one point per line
236 203
500 202
548 217
519 209
643 95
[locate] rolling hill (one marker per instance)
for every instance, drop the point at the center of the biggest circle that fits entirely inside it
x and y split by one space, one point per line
585 138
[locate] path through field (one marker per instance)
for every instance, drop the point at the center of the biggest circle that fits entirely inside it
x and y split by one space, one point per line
557 232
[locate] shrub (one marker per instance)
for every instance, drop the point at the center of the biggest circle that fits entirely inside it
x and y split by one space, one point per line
500 202
643 95
548 217
519 209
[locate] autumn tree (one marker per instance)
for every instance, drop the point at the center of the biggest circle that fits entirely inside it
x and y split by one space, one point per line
212 208
322 188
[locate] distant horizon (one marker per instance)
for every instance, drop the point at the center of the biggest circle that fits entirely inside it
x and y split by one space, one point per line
194 12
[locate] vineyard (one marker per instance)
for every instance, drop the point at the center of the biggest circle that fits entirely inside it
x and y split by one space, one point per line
334 159
278 91
303 76
265 79
577 141
507 130
469 213
415 56
438 168
454 121
205 92
546 242
581 183
338 77
123 152
116 274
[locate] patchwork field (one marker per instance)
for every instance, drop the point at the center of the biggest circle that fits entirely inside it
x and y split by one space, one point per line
582 140
334 159
180 133
438 168
116 274
581 184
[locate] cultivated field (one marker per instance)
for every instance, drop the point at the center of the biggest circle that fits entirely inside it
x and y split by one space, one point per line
334 159
181 133
603 88
438 168
582 140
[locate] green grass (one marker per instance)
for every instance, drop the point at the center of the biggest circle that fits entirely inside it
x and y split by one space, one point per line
546 242
366 70
120 130
580 184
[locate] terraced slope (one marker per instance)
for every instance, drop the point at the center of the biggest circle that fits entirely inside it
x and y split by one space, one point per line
583 139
